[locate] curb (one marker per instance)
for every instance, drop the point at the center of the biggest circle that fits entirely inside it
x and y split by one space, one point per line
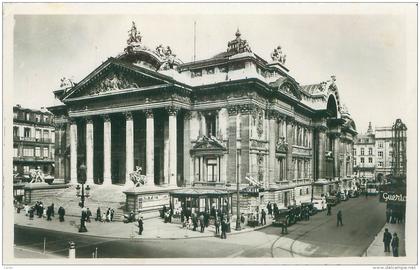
233 232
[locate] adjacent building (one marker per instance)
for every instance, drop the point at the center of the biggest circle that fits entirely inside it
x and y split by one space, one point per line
199 127
33 140
374 152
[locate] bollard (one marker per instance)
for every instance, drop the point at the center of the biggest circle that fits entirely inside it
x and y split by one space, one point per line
96 252
72 250
45 240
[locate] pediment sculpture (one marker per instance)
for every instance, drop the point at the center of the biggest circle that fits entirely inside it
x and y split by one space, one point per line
238 45
208 143
166 54
37 176
66 83
111 83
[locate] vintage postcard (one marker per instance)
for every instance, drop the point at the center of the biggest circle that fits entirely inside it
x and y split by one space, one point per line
202 133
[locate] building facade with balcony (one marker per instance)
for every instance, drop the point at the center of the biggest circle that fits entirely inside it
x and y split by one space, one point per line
33 140
364 152
205 125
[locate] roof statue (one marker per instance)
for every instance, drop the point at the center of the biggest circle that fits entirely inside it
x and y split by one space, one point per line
278 56
134 38
66 82
344 109
238 45
166 54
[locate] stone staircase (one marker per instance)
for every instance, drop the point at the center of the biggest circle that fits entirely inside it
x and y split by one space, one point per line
100 196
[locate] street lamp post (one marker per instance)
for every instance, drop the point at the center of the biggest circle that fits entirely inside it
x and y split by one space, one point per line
238 221
85 194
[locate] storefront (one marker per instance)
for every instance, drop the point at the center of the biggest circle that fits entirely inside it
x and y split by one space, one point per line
197 200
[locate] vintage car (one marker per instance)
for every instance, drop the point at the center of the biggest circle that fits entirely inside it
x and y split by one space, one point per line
312 209
332 200
343 196
353 193
282 218
295 213
320 204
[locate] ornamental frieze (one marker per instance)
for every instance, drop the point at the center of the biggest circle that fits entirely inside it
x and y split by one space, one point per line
258 144
113 82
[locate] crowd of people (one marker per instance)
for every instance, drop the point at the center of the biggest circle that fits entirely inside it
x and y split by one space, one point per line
41 211
105 216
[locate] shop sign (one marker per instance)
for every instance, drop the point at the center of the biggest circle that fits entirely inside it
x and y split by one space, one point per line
392 197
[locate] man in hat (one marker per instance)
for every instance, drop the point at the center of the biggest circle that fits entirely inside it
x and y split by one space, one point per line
395 244
140 221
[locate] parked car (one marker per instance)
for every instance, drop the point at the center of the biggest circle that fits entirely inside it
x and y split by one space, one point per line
353 193
332 200
295 213
312 209
319 204
343 196
283 217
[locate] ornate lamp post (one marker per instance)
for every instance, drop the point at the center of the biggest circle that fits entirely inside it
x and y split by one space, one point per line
85 194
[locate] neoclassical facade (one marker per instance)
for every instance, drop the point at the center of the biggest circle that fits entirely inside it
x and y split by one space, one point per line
205 124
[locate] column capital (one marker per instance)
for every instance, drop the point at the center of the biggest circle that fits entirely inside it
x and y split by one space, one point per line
187 115
106 117
232 110
149 113
290 120
72 120
128 115
172 110
89 120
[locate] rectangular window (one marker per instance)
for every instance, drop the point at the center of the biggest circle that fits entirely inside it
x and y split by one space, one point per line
282 171
27 116
380 145
362 160
37 151
46 135
37 117
28 152
354 151
15 152
370 160
15 131
45 154
46 118
380 164
362 151
211 125
370 151
15 115
380 154
354 162
27 132
210 70
25 169
38 134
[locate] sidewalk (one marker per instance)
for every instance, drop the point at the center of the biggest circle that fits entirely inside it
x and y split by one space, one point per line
154 228
20 252
376 248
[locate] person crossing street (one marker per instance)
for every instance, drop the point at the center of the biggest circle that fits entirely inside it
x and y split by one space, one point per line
339 218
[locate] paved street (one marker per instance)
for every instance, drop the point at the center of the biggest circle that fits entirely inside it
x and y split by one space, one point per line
363 219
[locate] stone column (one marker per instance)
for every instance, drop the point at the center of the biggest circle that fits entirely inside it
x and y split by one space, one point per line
231 164
107 150
73 152
272 141
172 147
245 113
129 146
187 147
336 149
290 138
321 164
150 149
89 151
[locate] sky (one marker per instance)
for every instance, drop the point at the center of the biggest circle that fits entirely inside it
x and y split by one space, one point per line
366 52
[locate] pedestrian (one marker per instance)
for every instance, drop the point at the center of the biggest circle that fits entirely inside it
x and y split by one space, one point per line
307 212
284 225
49 210
98 214
392 214
88 214
111 218
52 210
387 240
194 220
242 218
206 218
108 214
269 209
223 235
61 213
328 209
202 224
83 219
31 213
140 221
217 225
395 244
263 220
339 218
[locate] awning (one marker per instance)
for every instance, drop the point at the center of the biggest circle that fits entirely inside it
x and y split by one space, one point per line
197 192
